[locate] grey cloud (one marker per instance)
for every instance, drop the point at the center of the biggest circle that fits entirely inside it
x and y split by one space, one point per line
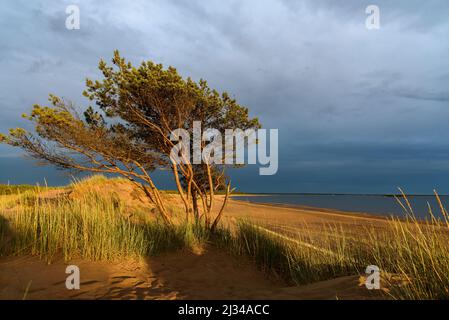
394 84
356 98
423 95
43 64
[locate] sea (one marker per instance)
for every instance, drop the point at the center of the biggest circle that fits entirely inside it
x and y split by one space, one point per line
383 205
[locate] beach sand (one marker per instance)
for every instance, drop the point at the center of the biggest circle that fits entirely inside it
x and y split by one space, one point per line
293 221
181 275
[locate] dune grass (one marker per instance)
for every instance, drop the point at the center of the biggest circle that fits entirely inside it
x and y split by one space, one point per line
419 253
298 260
93 227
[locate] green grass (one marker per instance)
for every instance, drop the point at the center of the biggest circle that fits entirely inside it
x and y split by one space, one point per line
94 228
297 260
413 255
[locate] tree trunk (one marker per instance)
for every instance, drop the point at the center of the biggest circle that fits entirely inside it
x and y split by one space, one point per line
225 201
156 199
196 212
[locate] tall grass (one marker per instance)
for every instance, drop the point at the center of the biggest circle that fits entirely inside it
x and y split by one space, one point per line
419 254
413 255
298 260
92 227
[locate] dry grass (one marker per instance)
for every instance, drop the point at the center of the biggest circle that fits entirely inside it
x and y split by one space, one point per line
94 226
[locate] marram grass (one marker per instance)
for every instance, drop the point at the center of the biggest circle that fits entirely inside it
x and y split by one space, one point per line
93 227
413 255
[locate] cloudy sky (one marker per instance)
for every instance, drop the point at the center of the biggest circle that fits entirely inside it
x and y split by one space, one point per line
357 110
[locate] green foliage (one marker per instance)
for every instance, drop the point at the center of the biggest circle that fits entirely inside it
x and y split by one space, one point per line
148 101
93 118
151 100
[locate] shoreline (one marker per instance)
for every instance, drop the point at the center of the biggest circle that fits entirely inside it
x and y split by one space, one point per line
387 195
319 210
402 216
298 218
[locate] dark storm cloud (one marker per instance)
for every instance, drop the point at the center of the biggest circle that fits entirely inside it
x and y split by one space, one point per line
418 94
344 98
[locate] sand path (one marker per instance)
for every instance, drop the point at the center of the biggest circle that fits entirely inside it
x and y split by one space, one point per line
180 275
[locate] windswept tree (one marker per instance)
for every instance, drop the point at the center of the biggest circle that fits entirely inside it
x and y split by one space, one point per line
128 132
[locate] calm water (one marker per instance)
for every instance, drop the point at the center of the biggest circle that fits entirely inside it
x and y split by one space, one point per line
375 204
